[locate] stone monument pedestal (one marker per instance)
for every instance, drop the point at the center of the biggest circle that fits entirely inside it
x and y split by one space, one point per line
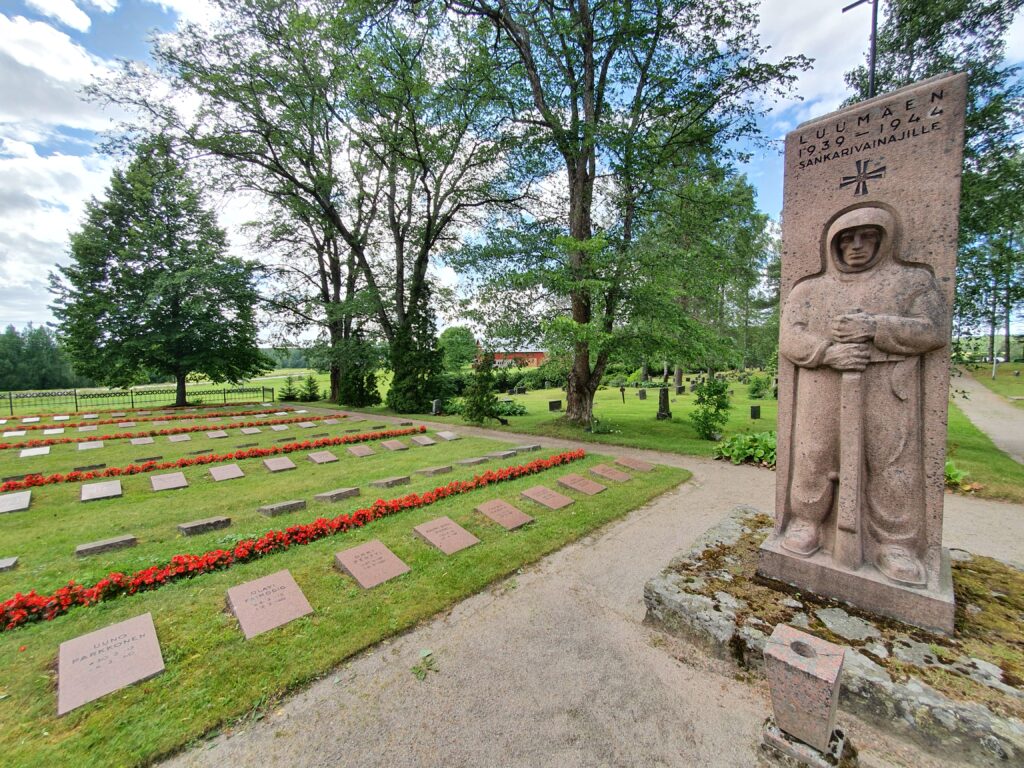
930 607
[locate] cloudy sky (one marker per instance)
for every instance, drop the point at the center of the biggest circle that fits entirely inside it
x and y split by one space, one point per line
49 165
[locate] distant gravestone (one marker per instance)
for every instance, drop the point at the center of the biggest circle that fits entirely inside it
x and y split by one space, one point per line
610 473
423 440
118 415
87 428
168 482
680 390
142 441
110 489
56 431
29 452
263 604
448 436
30 420
107 660
227 472
307 424
105 545
501 454
445 534
642 394
390 482
90 445
331 422
145 459
370 564
61 418
582 484
125 424
179 438
282 507
217 434
15 433
197 527
395 445
636 464
755 411
279 464
472 461
546 497
15 502
8 563
435 407
90 467
279 427
91 416
554 405
664 412
504 514
360 450
431 471
529 448
322 457
336 495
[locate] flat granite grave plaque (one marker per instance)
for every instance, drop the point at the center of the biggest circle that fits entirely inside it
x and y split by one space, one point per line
390 482
582 484
263 604
473 460
90 416
504 514
281 507
57 431
8 563
109 489
88 428
105 545
61 418
168 482
227 472
527 448
107 660
353 429
337 494
144 459
179 438
142 441
634 464
90 445
423 440
251 430
379 426
125 424
501 454
160 423
547 497
15 502
331 422
279 427
446 435
431 471
279 464
246 445
30 420
395 445
370 564
118 415
90 467
15 433
307 424
217 434
321 457
29 452
610 473
445 534
196 527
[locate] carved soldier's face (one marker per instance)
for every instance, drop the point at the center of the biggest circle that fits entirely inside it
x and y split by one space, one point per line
859 246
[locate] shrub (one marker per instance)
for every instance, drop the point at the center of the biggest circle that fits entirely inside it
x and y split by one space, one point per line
754 448
310 391
480 403
288 391
711 408
760 386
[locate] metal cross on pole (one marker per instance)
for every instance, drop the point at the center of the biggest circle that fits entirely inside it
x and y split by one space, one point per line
874 34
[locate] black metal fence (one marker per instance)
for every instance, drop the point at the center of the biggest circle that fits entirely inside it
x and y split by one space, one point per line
83 400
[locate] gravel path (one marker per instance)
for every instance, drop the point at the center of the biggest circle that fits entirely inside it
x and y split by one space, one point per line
554 667
994 416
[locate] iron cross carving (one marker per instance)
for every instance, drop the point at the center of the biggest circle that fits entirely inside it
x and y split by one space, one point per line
862 178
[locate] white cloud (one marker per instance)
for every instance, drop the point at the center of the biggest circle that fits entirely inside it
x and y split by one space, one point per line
64 11
37 45
200 12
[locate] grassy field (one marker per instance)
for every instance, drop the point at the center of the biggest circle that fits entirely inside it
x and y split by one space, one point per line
1005 383
213 675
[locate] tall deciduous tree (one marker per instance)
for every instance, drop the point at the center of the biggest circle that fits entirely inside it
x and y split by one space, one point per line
607 88
458 345
150 286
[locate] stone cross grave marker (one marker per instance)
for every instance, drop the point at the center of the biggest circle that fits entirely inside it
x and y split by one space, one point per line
370 564
445 534
869 235
107 660
263 604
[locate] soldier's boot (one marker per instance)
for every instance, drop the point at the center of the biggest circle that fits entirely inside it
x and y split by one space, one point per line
901 565
803 537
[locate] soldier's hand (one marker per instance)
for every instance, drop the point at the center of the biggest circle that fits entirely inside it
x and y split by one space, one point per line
847 357
854 327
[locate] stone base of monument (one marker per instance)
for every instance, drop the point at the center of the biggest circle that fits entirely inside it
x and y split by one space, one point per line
960 697
930 607
779 748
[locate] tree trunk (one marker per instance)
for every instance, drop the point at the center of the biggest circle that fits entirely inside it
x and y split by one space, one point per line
179 397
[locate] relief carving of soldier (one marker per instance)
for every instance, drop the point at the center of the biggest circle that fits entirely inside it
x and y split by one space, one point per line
865 312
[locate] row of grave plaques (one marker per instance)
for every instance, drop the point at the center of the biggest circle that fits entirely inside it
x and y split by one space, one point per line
101 662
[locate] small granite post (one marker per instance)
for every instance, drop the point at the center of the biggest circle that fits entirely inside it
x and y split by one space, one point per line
869 237
663 410
678 380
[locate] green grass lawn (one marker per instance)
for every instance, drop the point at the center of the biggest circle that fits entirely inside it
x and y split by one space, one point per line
213 675
972 450
1005 383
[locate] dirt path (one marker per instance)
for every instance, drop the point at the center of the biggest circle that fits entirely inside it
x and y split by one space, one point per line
990 413
554 666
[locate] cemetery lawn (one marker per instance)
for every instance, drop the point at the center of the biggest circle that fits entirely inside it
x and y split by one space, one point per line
972 451
1005 383
214 676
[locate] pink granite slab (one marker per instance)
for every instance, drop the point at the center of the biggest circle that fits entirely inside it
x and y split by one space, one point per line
445 534
636 464
179 438
107 660
610 473
307 424
226 472
90 445
15 502
109 489
279 464
168 482
423 440
322 457
370 564
55 431
30 420
27 453
547 497
395 445
217 434
279 427
250 430
263 604
446 435
142 441
504 514
582 484
360 450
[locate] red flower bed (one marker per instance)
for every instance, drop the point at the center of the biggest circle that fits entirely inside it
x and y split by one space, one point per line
164 431
71 424
130 411
22 609
34 481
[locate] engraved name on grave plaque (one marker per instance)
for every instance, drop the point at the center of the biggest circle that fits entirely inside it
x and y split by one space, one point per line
263 604
370 564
